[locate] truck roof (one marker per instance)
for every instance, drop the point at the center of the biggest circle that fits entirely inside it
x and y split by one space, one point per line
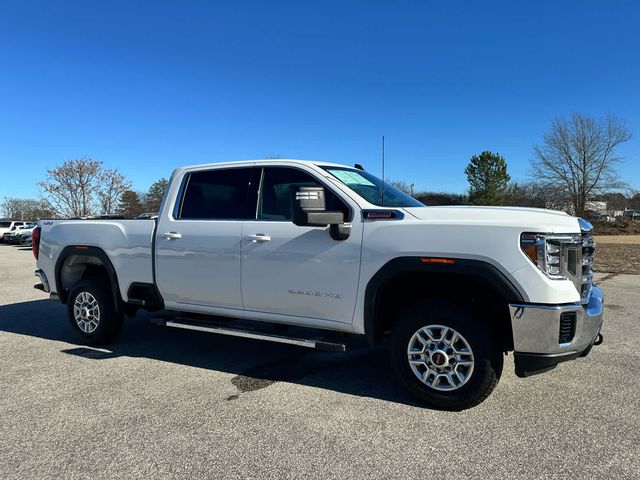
268 160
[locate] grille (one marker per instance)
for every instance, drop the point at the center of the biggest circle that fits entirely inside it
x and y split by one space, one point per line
567 327
577 263
588 252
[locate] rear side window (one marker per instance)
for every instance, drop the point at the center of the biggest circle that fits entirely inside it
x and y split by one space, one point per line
219 195
5 224
275 200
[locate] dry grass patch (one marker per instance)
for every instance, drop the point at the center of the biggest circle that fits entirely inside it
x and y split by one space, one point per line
617 257
617 239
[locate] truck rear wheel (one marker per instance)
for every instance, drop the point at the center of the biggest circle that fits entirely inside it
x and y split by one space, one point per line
444 356
92 313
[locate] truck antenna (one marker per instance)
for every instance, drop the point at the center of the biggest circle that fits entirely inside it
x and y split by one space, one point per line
382 185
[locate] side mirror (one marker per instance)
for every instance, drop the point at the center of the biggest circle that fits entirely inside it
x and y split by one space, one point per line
308 209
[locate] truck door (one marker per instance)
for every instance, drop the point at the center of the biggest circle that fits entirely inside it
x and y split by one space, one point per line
198 243
298 271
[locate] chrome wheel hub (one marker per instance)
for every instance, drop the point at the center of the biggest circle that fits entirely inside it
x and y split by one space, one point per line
440 357
86 312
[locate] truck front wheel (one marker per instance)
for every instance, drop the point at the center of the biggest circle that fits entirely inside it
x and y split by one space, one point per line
92 313
444 356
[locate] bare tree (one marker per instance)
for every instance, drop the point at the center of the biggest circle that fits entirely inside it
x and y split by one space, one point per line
111 185
536 195
26 209
401 185
11 208
578 157
82 187
71 188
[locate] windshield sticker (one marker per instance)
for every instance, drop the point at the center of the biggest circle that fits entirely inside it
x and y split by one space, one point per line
351 178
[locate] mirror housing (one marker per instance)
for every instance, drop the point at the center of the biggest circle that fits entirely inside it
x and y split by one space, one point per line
308 209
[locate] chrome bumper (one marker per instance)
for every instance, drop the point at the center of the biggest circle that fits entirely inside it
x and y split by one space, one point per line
536 328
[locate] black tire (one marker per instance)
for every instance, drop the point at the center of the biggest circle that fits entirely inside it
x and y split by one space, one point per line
487 357
109 322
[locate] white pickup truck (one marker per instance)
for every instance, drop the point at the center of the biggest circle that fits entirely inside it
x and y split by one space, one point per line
262 249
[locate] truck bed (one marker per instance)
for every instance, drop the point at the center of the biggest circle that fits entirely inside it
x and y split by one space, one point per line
127 243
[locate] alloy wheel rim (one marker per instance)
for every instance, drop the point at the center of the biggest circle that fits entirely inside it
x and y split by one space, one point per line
440 357
86 312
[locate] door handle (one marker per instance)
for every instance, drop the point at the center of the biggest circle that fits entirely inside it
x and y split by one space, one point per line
171 236
259 238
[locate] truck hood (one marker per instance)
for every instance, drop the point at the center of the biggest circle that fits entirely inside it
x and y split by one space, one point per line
529 219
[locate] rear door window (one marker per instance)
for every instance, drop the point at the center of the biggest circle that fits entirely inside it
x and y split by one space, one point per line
225 194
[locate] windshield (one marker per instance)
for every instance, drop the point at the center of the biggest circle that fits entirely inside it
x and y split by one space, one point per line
370 188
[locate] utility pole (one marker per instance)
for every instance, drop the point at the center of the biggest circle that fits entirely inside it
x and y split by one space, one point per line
411 187
382 186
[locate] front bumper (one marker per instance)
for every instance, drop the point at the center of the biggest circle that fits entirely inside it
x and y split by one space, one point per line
537 342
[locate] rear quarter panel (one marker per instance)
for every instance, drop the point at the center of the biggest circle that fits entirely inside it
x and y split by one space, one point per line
127 243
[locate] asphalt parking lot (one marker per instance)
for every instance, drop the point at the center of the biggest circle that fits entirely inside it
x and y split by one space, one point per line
163 403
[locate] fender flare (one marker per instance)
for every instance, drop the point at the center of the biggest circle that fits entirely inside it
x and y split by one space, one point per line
87 251
467 267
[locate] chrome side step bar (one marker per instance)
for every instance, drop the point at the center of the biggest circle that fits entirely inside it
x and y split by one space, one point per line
256 335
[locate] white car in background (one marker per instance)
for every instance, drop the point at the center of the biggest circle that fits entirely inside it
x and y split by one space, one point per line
9 226
14 236
23 235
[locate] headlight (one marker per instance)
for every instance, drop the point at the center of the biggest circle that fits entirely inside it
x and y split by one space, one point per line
533 246
550 253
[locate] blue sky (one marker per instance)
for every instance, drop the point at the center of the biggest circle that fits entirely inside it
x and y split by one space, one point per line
149 86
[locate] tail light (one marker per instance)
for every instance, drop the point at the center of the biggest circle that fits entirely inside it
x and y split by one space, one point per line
35 242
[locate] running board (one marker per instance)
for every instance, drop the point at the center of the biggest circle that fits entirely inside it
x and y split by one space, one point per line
269 337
